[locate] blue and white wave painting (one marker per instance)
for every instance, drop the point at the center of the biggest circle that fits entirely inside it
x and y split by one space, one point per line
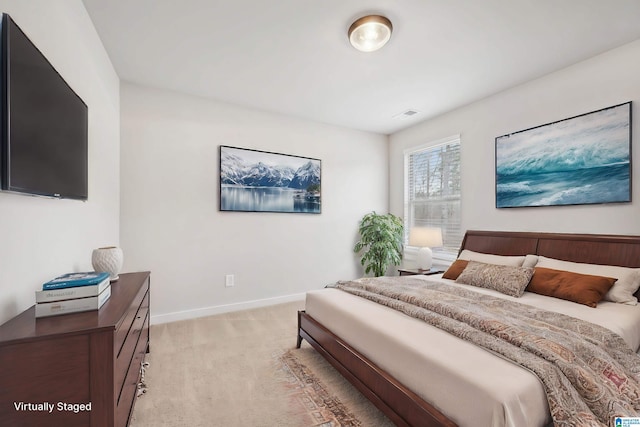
582 160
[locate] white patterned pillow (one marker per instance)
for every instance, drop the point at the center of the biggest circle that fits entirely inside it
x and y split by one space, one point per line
506 279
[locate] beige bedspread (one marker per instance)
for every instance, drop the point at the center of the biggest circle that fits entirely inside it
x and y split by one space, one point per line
590 375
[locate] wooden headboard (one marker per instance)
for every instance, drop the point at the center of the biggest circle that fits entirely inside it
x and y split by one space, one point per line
588 248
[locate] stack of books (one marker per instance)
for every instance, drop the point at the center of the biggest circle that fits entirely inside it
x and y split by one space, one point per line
73 292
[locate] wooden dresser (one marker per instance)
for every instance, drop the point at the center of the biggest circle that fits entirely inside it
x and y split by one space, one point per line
52 367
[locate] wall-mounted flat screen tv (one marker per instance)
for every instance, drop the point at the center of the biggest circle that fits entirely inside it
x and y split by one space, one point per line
44 123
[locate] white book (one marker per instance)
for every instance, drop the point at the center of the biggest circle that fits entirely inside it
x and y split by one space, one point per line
45 309
71 293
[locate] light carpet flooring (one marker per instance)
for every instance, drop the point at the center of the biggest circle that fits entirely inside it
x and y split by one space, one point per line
226 370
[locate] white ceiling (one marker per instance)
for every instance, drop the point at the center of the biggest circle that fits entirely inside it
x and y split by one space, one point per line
293 56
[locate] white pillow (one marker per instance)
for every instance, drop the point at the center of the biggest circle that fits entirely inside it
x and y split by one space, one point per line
623 289
530 260
514 261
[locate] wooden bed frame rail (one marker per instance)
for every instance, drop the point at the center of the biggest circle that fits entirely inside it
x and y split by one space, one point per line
398 403
401 405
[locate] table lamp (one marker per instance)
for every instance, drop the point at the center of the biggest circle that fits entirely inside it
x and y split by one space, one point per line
425 238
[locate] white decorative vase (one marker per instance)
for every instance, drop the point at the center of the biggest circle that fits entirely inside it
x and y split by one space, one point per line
108 259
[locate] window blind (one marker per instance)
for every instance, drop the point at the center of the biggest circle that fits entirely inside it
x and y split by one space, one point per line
432 190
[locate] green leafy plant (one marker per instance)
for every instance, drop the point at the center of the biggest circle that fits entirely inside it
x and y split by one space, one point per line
380 242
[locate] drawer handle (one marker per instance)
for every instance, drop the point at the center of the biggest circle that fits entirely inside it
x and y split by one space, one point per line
142 386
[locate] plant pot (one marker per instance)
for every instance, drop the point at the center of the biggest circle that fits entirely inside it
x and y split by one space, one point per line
108 259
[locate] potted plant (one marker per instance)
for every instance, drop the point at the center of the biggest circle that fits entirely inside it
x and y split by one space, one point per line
380 242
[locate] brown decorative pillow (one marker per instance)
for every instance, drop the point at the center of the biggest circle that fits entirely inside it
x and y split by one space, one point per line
455 269
581 288
506 279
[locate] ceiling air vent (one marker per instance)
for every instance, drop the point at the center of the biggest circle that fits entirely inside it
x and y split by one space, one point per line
406 114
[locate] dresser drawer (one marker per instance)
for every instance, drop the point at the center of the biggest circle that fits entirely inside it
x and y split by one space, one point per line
129 389
129 318
45 371
123 360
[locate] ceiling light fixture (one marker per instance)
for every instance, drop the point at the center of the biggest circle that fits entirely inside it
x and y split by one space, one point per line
370 33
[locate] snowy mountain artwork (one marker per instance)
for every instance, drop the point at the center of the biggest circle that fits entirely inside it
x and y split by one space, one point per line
580 160
260 181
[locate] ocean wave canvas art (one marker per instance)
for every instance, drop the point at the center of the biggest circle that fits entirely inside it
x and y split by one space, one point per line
581 160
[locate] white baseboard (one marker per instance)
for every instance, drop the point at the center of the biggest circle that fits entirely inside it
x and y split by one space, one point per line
219 309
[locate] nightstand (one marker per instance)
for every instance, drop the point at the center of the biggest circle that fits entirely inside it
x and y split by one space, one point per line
417 271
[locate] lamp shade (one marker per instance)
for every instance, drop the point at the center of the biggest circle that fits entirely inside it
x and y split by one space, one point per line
425 237
370 33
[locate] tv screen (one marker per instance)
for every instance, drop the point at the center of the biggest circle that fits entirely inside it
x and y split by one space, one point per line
44 137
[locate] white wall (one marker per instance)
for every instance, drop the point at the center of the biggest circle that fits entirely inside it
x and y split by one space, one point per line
608 79
40 237
170 223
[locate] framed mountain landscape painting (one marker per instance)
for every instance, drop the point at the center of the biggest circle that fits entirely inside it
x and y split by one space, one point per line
260 181
581 160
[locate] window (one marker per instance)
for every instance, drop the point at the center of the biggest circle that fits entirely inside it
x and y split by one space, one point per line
432 191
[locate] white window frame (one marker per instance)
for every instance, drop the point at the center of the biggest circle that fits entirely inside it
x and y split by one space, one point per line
443 255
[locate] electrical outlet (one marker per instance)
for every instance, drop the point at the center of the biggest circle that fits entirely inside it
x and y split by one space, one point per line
229 280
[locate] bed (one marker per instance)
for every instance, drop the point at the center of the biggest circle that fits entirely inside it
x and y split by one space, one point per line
460 385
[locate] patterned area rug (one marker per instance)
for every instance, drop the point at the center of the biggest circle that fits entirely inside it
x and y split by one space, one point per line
240 369
308 394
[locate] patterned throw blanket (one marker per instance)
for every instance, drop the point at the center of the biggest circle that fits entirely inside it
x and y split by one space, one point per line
590 374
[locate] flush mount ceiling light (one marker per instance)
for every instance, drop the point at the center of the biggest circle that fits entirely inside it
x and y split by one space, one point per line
370 33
